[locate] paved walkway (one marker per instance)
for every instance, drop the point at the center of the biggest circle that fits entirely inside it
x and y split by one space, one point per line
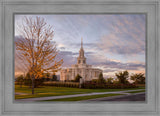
76 95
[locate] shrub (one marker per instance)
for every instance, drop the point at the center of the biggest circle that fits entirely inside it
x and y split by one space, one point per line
77 78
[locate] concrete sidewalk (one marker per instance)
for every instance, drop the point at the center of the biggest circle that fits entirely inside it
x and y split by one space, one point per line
76 95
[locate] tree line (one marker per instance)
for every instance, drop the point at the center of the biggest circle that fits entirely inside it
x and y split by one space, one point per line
122 77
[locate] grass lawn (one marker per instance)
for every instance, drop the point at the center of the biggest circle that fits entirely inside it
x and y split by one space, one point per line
57 91
136 91
84 97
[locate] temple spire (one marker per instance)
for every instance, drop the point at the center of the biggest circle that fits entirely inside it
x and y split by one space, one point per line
81 42
81 58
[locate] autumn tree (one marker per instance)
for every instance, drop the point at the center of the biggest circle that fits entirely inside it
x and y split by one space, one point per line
138 78
122 77
35 47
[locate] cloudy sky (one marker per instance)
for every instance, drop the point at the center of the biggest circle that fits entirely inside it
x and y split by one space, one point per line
112 42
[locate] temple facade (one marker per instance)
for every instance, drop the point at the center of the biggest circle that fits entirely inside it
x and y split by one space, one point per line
84 70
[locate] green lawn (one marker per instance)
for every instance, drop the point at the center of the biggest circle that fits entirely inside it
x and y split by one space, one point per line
57 91
84 97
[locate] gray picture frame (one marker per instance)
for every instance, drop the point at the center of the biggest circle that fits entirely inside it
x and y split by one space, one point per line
10 7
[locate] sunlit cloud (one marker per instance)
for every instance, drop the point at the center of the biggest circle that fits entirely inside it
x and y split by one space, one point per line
112 42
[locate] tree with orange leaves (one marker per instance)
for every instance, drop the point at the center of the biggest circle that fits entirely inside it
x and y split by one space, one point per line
36 48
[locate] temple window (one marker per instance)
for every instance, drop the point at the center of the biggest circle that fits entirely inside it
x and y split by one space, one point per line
83 61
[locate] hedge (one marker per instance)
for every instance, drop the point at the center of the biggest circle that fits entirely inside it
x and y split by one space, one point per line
94 85
90 85
62 84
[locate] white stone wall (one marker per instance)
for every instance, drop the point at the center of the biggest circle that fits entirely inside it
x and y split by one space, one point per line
86 73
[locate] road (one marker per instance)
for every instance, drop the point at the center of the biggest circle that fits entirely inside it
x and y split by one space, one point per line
132 97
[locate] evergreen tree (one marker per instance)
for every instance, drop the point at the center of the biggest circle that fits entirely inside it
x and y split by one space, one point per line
110 80
138 78
54 77
101 80
122 77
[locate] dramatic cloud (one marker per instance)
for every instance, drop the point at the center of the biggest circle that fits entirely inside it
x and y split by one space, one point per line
112 42
126 37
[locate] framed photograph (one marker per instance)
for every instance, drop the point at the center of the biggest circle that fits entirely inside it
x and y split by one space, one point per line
79 57
105 60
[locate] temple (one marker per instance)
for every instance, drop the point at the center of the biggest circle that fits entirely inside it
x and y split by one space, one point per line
84 70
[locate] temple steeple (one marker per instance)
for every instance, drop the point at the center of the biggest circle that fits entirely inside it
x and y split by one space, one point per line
81 42
81 59
81 51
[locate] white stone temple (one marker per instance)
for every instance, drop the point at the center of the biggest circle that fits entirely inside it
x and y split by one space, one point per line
84 70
